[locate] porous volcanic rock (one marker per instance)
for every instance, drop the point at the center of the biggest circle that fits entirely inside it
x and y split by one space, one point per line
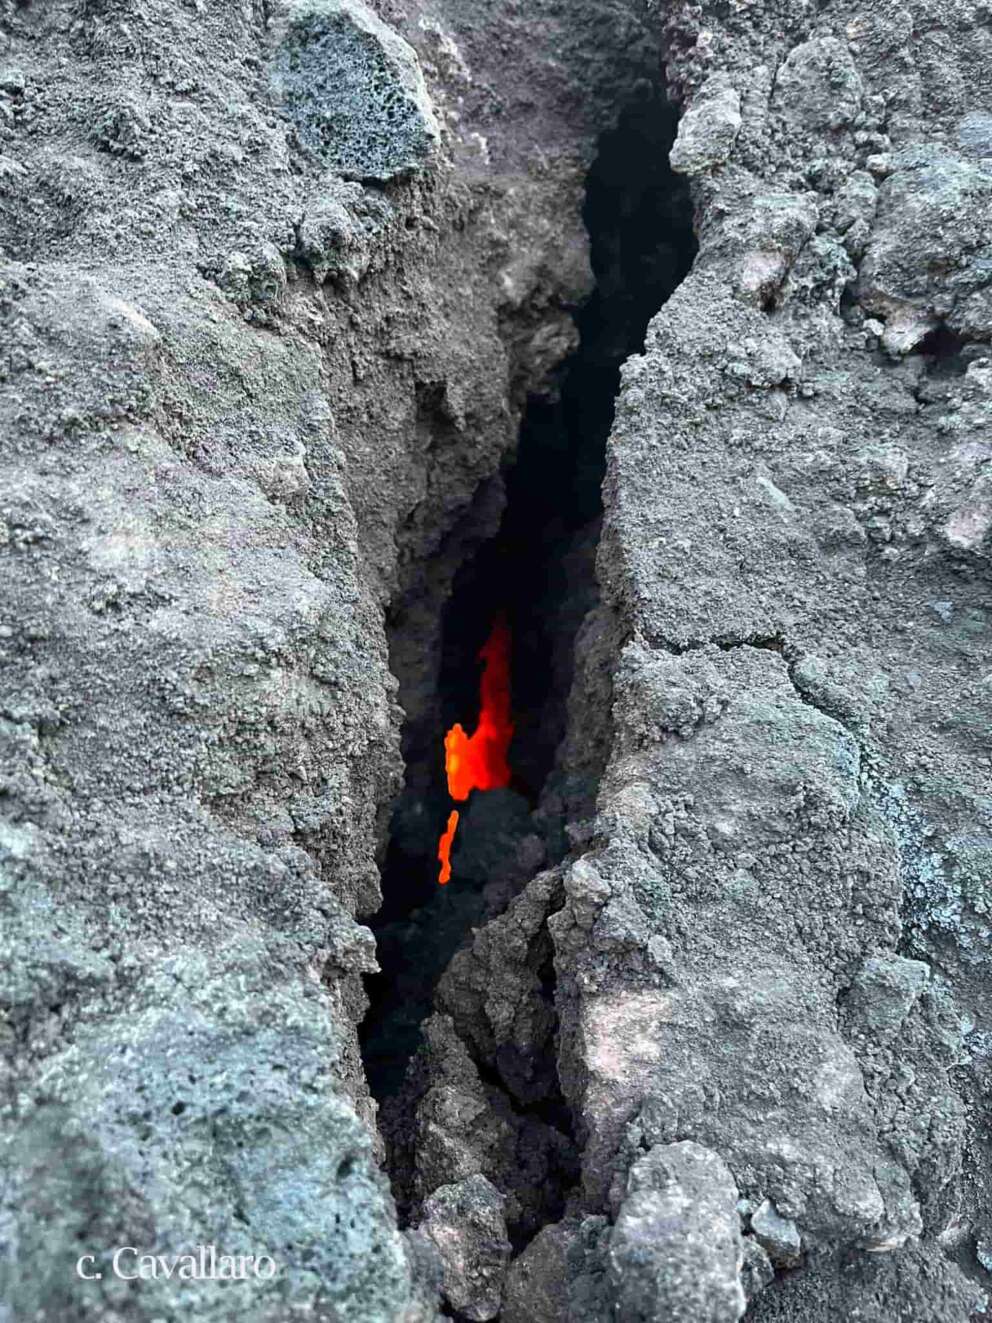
772 935
276 280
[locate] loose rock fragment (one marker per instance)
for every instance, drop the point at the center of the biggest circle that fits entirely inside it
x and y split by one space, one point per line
777 1235
675 1252
353 90
537 1283
709 128
465 1221
756 1270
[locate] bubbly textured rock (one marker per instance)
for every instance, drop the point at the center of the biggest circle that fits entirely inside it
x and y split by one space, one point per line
353 89
756 1269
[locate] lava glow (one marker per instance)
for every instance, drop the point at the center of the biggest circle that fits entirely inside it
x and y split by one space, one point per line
444 847
479 761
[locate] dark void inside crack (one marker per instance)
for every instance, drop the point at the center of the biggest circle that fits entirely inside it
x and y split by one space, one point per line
538 576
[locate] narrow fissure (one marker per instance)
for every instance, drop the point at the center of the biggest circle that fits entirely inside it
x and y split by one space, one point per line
535 578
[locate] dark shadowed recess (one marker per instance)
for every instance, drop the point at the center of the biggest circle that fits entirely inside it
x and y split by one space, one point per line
539 570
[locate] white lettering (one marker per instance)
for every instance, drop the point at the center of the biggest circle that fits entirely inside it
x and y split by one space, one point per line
127 1277
81 1271
203 1265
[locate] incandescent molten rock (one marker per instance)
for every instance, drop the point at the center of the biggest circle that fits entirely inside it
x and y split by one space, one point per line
203 519
211 467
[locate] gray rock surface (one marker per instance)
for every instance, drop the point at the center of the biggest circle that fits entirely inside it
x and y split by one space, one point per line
353 90
675 1249
756 1268
928 190
465 1222
773 940
534 1288
796 547
276 279
778 1236
465 1127
245 394
708 131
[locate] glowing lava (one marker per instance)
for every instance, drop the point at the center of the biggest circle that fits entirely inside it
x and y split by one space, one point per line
479 761
444 847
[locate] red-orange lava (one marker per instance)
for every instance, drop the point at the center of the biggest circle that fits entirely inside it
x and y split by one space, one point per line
444 847
479 761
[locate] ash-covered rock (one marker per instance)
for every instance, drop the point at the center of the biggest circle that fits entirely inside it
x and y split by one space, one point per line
276 280
462 1125
675 1248
796 467
778 1236
268 317
495 991
947 280
465 1223
708 131
771 941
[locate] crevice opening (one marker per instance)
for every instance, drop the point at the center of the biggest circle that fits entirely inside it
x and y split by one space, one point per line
539 571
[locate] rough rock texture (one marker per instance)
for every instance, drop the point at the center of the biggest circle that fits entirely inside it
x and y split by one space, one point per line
276 277
274 282
464 1126
773 939
675 1249
352 89
465 1222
